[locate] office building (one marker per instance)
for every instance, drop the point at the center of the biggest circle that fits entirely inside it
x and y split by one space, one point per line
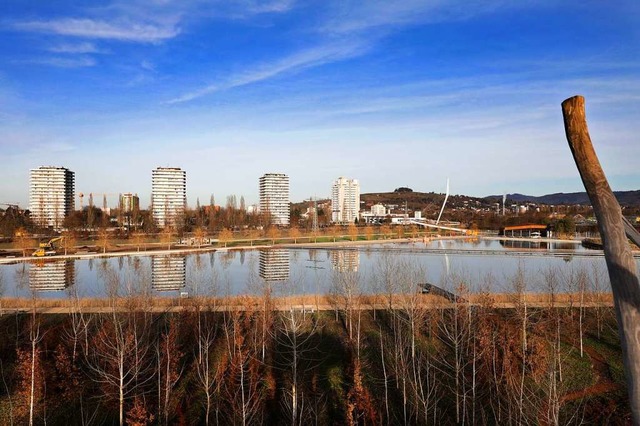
168 195
51 196
274 197
345 200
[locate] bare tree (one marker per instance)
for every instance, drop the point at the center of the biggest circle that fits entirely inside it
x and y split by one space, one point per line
139 238
243 390
69 241
169 369
294 233
225 236
294 335
353 231
103 239
199 235
209 372
119 355
23 240
167 235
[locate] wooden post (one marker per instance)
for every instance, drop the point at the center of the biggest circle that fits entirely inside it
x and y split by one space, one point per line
620 263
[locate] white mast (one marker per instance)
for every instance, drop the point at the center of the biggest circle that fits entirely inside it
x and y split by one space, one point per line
446 196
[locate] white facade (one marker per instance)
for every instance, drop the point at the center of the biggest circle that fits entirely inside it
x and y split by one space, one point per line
52 276
345 200
168 273
51 196
378 210
274 197
274 265
168 195
345 260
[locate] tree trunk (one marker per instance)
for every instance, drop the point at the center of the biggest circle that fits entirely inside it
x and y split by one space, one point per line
620 262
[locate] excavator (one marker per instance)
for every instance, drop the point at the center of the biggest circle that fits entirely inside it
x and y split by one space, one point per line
48 248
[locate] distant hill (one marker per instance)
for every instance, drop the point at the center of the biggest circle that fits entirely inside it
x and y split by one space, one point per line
418 200
625 198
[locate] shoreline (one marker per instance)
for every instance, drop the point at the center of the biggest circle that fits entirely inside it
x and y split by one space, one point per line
306 303
305 245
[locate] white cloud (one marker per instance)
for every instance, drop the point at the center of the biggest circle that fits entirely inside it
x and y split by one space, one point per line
298 61
90 28
77 62
348 16
72 48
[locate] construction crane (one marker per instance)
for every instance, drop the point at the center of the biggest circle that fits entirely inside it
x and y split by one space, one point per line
13 206
81 196
48 248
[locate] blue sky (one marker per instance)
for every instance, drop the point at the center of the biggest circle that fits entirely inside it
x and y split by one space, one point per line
392 93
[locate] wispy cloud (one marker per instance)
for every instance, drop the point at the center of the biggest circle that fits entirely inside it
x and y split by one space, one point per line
75 48
276 6
298 61
54 61
347 16
98 29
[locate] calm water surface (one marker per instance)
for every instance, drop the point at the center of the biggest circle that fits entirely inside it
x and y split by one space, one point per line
480 264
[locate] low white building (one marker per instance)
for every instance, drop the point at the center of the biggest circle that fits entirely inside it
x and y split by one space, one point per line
378 210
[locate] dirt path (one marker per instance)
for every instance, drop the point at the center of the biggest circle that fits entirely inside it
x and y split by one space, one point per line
604 382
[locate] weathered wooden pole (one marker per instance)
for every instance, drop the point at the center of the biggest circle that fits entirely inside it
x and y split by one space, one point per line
620 262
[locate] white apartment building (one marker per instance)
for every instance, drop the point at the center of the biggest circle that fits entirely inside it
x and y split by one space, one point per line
168 195
378 210
274 197
345 200
51 195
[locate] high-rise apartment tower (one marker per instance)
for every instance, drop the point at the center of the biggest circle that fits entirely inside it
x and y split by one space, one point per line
51 196
168 195
345 200
274 197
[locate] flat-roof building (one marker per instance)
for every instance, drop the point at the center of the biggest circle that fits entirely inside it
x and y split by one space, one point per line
274 197
345 200
168 195
51 195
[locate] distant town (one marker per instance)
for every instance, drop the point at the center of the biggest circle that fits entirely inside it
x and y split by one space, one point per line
55 207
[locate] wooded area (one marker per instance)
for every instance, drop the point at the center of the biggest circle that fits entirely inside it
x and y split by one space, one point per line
463 364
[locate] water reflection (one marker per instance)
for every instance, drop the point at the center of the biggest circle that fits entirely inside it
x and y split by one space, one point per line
51 276
536 245
345 260
305 269
274 265
168 273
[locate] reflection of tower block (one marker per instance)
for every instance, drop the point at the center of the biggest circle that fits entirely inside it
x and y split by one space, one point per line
274 265
168 273
345 260
51 276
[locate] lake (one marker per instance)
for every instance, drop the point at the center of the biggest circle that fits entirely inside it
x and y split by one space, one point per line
482 264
